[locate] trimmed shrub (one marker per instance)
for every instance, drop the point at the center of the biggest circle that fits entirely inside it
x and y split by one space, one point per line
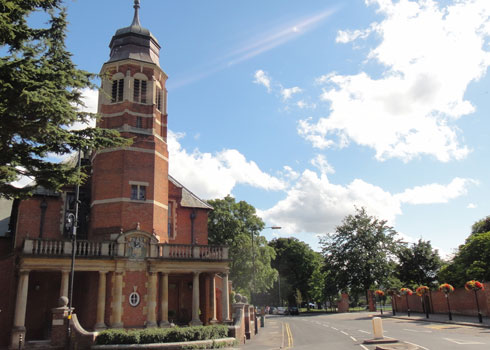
118 336
161 335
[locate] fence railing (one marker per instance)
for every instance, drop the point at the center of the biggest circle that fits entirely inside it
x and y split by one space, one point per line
109 249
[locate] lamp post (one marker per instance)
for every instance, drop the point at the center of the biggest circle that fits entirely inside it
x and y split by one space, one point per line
253 262
72 223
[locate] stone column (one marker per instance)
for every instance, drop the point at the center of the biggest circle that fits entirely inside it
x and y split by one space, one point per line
117 303
195 301
212 298
225 298
19 329
164 301
65 278
151 318
99 325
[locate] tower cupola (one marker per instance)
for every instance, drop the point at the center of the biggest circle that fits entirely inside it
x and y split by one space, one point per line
135 42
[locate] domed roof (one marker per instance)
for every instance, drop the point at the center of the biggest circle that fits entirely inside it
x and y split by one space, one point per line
135 42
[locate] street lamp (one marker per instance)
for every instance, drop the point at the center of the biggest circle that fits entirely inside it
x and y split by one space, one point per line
253 262
71 224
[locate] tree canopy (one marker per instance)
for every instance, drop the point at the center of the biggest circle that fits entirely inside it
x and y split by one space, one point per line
360 253
296 263
471 262
234 224
418 264
40 100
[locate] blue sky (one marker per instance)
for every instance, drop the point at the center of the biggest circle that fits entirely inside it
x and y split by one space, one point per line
306 109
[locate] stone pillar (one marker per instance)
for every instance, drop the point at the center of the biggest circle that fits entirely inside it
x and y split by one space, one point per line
151 318
59 323
19 329
100 324
212 298
225 298
65 278
117 303
195 301
164 301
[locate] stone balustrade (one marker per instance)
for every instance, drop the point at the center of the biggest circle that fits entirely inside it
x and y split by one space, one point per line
108 249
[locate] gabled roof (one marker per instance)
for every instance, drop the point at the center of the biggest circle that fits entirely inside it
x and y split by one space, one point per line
189 199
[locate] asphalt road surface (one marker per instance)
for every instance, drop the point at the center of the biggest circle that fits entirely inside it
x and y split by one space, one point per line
348 331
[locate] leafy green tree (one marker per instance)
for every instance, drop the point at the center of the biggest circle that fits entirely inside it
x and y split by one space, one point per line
40 99
472 261
360 253
418 264
316 284
296 262
234 224
481 226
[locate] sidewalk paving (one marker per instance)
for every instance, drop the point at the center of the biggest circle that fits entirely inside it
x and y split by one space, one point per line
441 318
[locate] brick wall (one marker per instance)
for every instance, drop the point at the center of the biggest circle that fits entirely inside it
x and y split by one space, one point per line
8 281
462 302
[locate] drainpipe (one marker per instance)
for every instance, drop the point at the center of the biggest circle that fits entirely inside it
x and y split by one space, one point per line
193 217
44 206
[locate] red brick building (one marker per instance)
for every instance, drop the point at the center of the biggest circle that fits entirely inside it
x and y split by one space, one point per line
142 258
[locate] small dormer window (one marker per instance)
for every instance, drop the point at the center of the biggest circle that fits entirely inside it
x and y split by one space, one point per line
117 90
139 91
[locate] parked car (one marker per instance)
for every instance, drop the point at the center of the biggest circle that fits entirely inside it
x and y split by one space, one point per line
293 310
281 310
272 310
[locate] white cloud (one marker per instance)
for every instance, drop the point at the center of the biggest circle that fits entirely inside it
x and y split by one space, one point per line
435 193
215 175
90 99
288 93
315 205
262 78
429 55
321 163
472 206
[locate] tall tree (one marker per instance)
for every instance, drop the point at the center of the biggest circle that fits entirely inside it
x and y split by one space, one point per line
40 99
481 226
237 226
360 252
296 262
418 264
472 261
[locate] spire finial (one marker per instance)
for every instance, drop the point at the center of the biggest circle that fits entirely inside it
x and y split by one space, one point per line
136 19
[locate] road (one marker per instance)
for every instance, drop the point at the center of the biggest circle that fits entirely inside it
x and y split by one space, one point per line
348 331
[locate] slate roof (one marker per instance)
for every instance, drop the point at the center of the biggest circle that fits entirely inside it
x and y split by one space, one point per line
189 199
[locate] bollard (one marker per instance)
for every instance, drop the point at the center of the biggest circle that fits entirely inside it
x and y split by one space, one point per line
377 328
262 321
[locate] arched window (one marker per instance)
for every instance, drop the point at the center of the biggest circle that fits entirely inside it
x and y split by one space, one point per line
117 92
140 88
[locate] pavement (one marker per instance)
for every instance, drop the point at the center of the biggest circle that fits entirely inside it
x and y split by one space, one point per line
441 318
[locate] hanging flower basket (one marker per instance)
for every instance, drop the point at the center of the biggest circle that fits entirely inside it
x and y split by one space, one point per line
446 288
474 286
422 290
406 291
379 293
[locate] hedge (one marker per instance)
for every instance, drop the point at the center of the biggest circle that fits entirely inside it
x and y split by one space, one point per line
161 335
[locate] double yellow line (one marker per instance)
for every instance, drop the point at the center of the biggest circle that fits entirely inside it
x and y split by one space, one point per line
289 335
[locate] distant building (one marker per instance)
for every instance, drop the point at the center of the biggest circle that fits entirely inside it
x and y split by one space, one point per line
142 254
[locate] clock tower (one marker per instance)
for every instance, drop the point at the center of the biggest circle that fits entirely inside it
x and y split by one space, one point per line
130 184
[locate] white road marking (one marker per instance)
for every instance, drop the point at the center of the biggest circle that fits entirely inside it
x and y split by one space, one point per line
463 342
416 331
354 339
362 346
335 328
344 333
360 330
420 346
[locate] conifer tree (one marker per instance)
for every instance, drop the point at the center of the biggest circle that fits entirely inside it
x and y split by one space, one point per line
40 99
